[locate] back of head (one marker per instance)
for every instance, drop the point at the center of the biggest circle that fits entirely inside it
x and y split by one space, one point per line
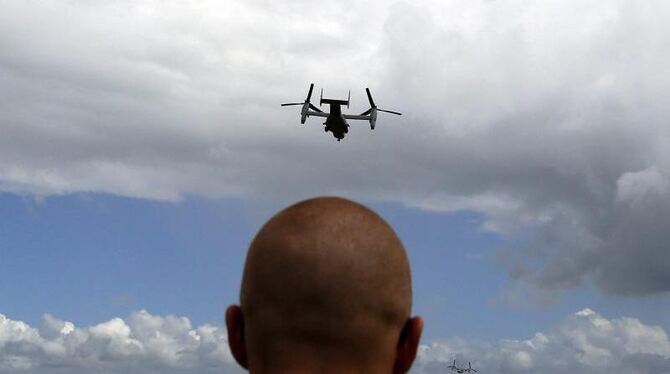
326 285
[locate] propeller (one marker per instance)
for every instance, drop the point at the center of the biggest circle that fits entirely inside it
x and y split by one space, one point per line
373 106
372 112
389 111
305 105
452 366
372 102
309 96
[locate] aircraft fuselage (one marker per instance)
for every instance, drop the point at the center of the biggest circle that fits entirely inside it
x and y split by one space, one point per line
336 123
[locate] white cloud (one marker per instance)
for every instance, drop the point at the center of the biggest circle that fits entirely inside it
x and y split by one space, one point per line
144 343
633 186
540 115
585 342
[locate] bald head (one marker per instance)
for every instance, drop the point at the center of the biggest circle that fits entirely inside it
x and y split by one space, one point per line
327 277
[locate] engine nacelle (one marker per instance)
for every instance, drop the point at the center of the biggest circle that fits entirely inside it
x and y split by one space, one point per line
373 118
303 112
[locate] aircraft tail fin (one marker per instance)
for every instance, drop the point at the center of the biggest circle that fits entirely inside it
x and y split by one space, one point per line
335 101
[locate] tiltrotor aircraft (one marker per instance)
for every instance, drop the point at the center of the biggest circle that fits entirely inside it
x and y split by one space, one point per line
455 368
336 121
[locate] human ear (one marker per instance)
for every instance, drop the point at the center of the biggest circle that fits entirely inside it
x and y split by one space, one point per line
408 343
235 326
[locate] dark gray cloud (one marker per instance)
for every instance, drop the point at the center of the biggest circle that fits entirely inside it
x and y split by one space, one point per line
547 118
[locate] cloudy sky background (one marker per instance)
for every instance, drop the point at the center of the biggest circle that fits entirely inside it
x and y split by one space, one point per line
141 145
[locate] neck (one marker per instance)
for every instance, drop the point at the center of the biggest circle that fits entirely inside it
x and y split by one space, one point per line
317 362
315 367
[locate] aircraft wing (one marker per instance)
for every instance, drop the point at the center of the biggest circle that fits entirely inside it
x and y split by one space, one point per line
311 113
356 116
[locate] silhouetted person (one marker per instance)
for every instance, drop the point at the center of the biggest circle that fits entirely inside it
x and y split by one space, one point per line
326 289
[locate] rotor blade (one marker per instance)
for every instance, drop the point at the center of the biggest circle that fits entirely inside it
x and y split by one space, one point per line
372 103
315 108
289 104
309 94
366 112
389 111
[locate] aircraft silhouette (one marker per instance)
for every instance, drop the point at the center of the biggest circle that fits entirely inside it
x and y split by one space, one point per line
455 368
336 121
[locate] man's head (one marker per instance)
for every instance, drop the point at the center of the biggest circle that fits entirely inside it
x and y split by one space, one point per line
326 287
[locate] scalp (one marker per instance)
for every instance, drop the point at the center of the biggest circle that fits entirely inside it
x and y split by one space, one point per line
321 270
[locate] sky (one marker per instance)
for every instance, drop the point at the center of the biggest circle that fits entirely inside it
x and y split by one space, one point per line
142 145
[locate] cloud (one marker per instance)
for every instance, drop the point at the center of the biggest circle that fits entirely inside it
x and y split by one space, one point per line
546 118
144 343
585 342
